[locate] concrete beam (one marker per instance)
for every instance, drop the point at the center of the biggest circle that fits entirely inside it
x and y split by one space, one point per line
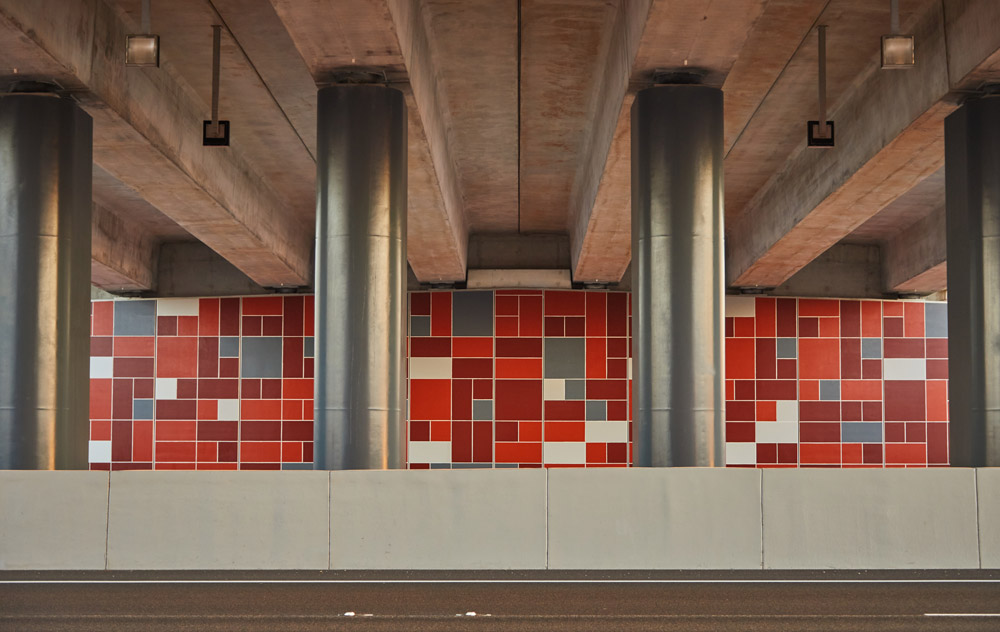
146 125
890 138
843 271
915 260
123 256
646 36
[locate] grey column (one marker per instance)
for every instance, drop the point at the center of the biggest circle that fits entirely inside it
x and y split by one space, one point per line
972 183
46 161
677 276
360 278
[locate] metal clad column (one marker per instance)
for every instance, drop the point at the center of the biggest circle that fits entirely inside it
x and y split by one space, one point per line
677 293
46 162
360 278
972 184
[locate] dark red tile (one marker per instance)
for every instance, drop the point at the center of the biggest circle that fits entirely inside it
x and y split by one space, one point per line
518 400
871 369
788 453
739 431
819 432
617 368
819 411
808 327
916 431
218 430
271 326
101 346
440 313
892 327
461 399
430 347
133 367
607 389
143 388
766 358
294 318
937 444
730 327
937 369
229 317
208 317
219 388
575 326
260 430
121 440
767 453
229 367
765 314
554 326
776 389
252 325
871 411
482 441
187 388
850 358
850 411
787 369
121 400
937 347
472 367
904 400
166 326
228 452
482 389
176 409
506 431
420 304
292 352
574 410
850 319
895 431
618 313
740 411
903 348
871 453
270 388
530 316
208 357
745 390
250 389
296 431
262 306
461 442
570 303
786 318
420 430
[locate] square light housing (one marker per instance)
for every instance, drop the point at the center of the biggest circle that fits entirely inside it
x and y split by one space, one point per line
897 51
215 136
814 139
142 50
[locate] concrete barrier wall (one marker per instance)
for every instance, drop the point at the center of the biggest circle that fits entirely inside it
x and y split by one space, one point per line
502 519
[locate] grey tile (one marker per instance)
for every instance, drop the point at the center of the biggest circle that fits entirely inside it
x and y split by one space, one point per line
296 466
576 389
420 325
229 347
142 409
261 357
565 357
482 410
786 348
440 466
470 466
860 432
936 320
135 318
871 348
505 466
829 390
472 313
309 347
597 411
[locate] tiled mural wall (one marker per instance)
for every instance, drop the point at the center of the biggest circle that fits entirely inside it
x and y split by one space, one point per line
516 378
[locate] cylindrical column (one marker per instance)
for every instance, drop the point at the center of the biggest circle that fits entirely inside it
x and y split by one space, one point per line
360 278
46 162
972 185
677 276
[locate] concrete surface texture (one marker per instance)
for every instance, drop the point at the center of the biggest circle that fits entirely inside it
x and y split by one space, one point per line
501 519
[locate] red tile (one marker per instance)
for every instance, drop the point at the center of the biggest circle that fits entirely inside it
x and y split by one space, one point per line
519 348
420 304
618 305
271 326
420 430
916 431
871 411
228 452
740 358
740 411
262 306
765 312
229 367
765 358
730 327
103 318
506 431
518 452
175 451
102 346
767 453
730 389
482 389
461 442
187 388
309 329
872 453
937 400
134 346
506 326
745 390
851 453
100 399
250 388
937 347
260 451
913 320
294 320
291 452
618 452
617 410
176 409
555 326
850 319
871 319
893 327
820 432
895 432
299 388
861 390
906 453
176 430
788 453
850 358
208 317
617 368
260 431
133 367
597 313
743 327
565 410
904 400
472 367
558 303
270 388
808 327
607 389
850 411
617 347
430 399
430 347
260 409
461 400
819 307
143 388
530 316
829 327
776 389
291 410
767 411
892 308
519 368
208 357
187 325
565 431
218 430
440 313
121 440
787 369
472 347
166 326
529 430
597 453
937 369
229 317
596 359
208 409
575 326
808 390
786 326
177 357
740 431
819 411
482 441
937 444
517 400
100 430
819 453
819 358
871 369
292 357
903 348
219 388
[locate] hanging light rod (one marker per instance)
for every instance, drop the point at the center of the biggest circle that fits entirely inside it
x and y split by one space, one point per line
820 132
143 49
897 50
215 133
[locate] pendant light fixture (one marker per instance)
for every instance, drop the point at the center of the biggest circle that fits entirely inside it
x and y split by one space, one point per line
820 132
143 49
215 133
897 50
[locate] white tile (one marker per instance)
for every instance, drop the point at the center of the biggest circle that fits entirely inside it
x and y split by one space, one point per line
777 432
100 452
607 431
166 388
176 307
787 410
102 367
904 369
564 452
429 452
629 366
553 389
229 410
740 306
741 454
430 368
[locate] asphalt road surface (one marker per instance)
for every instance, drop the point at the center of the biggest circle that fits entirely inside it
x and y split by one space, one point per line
581 601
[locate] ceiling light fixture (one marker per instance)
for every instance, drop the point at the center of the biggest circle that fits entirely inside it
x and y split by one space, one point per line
897 50
215 133
820 132
143 49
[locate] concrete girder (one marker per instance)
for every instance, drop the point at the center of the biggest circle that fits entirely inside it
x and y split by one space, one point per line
391 37
915 260
890 138
146 123
123 256
646 36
